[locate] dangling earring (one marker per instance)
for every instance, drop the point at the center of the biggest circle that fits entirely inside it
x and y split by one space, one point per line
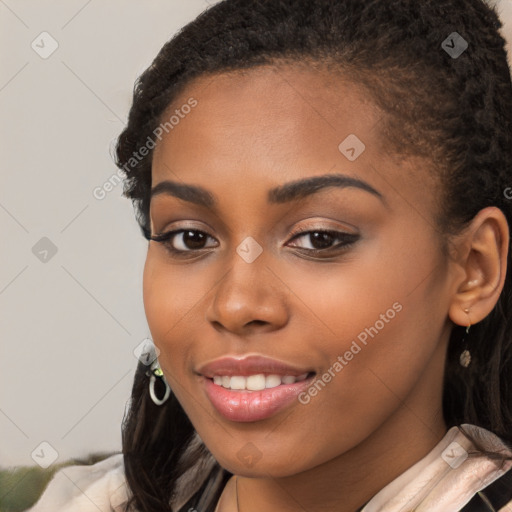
465 356
155 372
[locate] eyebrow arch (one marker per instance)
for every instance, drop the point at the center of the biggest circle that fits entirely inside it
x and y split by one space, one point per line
284 193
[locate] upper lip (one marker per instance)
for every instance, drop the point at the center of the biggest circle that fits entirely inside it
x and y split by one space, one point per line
249 365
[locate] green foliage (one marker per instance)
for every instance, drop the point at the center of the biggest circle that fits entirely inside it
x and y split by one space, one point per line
21 487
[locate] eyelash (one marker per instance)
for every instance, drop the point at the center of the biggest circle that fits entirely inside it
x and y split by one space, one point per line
347 240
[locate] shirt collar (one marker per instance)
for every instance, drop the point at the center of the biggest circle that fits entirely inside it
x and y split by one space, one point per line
447 477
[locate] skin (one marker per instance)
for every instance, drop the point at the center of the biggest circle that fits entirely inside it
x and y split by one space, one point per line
251 132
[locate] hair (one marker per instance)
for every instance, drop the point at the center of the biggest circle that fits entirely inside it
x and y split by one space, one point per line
454 112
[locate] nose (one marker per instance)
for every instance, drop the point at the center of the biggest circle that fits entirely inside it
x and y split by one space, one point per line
248 298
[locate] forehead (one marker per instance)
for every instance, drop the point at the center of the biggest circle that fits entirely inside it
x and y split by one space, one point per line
254 129
286 112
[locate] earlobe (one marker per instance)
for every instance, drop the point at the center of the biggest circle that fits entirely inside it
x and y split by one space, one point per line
484 267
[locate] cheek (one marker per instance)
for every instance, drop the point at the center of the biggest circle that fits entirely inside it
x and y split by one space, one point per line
169 299
375 330
379 317
170 292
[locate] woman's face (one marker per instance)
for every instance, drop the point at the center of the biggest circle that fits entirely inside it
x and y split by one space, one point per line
362 309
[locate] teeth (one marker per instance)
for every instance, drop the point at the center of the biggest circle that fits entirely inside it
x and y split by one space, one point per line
237 383
272 381
256 382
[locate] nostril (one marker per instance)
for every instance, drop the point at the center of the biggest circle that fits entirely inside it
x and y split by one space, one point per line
257 322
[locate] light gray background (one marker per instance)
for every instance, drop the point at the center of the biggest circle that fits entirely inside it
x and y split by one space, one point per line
69 325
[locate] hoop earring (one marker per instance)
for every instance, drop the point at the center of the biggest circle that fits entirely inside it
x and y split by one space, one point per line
465 356
155 372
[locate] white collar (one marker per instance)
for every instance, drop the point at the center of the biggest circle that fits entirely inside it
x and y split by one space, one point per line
447 478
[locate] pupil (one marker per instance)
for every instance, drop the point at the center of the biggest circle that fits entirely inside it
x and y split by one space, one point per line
321 240
193 239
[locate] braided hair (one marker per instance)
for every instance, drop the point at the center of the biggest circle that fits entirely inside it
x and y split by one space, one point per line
456 112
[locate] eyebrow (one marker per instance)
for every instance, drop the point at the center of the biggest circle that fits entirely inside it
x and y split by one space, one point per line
283 194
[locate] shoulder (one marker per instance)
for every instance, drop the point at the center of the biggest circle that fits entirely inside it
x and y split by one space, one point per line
97 487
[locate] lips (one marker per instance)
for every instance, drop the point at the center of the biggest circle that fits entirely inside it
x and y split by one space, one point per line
253 388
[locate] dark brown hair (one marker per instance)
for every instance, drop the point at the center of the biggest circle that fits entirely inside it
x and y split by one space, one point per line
454 111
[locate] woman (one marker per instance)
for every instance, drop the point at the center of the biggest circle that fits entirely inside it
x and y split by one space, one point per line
325 187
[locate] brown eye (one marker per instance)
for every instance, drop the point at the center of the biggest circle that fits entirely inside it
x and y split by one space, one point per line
191 239
183 240
323 240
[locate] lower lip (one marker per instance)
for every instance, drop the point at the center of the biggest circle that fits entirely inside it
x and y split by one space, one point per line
240 405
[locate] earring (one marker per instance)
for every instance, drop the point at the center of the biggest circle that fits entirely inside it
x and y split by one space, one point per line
465 356
155 372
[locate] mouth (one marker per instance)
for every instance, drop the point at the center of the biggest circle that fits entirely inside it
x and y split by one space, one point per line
249 398
253 387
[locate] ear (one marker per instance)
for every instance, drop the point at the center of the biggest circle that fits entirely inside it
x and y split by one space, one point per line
480 267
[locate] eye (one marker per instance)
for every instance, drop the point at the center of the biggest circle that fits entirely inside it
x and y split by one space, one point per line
182 241
323 240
